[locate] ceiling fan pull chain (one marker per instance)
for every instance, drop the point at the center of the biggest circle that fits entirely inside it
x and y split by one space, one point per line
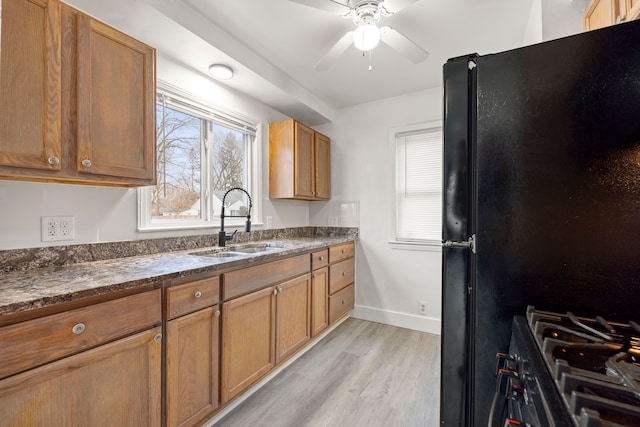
370 54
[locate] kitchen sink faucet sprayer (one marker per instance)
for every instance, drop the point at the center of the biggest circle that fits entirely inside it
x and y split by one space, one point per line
222 237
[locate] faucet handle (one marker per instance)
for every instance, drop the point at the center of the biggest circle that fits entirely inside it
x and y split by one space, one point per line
231 237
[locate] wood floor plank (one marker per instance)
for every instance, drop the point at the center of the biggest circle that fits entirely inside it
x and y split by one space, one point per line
363 374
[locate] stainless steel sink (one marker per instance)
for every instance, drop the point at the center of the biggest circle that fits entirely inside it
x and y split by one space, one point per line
217 254
252 249
237 250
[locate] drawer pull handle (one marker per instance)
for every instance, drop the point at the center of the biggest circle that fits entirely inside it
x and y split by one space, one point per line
217 313
198 294
78 329
157 338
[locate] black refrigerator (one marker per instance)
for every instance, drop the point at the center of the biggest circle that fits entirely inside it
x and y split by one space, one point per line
541 198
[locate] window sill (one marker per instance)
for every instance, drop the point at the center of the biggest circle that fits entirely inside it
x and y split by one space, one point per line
427 246
229 227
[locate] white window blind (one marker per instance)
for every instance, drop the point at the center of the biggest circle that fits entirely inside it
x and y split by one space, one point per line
419 185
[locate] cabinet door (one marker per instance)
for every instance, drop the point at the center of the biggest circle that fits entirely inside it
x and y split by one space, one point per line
116 103
192 367
633 10
600 13
293 322
248 334
30 84
319 300
117 384
304 168
322 167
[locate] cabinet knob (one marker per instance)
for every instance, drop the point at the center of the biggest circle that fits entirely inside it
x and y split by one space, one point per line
321 258
314 276
342 302
53 161
157 338
78 329
86 163
344 274
217 313
343 251
198 294
275 291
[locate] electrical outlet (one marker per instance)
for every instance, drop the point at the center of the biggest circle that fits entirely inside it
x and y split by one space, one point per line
422 307
55 228
269 222
333 221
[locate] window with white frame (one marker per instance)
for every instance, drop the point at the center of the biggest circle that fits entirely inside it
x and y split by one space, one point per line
201 153
418 186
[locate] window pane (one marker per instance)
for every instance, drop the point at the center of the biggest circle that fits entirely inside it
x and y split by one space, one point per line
177 194
229 169
418 185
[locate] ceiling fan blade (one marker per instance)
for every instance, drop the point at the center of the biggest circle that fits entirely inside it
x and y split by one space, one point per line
330 6
395 6
403 45
334 53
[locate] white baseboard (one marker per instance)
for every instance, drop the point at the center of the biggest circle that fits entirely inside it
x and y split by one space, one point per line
401 320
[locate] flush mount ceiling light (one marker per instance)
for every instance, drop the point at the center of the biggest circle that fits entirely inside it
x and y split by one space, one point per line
221 71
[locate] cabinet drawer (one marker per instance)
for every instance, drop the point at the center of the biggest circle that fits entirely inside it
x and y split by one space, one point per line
183 299
36 342
340 252
341 302
319 259
249 279
341 275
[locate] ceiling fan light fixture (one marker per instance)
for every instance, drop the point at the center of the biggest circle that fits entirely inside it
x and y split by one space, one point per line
366 36
221 71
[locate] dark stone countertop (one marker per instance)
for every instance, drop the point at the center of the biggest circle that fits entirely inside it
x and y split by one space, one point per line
29 289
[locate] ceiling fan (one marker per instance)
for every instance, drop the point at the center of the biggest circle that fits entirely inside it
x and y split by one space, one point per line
366 14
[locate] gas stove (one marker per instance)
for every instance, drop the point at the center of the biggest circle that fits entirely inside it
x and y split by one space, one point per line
565 370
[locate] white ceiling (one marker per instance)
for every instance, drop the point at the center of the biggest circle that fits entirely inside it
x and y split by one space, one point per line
273 45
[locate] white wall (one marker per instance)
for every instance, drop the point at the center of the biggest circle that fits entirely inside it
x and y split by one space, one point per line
533 31
561 18
104 214
390 281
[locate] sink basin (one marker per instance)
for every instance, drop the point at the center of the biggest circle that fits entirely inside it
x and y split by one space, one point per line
255 248
217 254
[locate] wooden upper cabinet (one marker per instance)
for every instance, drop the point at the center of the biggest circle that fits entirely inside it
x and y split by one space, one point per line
633 9
599 14
30 84
116 87
323 166
77 98
603 13
299 162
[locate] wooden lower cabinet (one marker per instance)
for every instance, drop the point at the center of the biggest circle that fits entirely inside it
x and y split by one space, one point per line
116 384
293 322
341 302
192 357
248 335
319 300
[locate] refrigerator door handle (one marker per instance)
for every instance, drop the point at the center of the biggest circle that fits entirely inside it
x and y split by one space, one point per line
469 244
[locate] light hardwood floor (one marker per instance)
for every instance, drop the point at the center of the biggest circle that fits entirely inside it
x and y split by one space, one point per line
362 374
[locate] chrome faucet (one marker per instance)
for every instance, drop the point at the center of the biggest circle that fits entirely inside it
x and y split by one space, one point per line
222 237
